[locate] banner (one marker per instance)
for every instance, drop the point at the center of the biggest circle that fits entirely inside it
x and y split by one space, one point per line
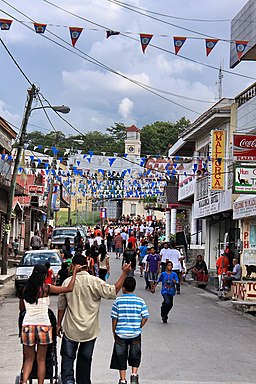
103 213
40 28
145 40
244 147
210 44
75 34
217 164
112 33
240 48
178 43
5 24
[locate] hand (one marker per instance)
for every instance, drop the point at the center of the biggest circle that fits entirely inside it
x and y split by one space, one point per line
126 268
59 330
77 268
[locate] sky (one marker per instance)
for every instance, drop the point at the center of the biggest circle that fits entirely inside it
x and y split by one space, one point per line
98 98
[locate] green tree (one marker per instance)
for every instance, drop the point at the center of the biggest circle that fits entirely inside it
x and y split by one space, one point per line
156 138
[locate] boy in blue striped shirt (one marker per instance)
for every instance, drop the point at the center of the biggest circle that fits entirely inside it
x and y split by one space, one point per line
129 314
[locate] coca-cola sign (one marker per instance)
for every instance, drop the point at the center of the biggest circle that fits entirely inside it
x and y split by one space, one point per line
244 147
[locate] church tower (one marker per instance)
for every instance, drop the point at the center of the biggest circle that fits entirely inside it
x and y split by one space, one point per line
132 141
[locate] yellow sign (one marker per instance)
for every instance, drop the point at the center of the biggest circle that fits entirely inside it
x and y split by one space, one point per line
218 145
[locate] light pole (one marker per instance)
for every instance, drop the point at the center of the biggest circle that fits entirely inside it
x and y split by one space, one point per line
31 94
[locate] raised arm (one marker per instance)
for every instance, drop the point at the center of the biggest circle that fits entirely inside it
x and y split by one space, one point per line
70 286
126 268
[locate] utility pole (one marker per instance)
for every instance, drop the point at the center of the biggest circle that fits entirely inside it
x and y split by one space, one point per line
49 203
31 93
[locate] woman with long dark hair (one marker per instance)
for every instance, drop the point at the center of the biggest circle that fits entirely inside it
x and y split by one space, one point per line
36 326
103 262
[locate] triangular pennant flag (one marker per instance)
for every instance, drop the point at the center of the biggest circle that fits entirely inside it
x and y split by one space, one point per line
210 44
40 28
240 48
112 33
125 155
111 161
91 153
145 40
178 43
75 33
78 162
5 24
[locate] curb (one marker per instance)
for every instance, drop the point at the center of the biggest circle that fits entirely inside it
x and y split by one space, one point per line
4 279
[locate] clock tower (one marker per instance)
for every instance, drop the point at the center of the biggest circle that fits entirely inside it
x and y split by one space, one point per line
132 141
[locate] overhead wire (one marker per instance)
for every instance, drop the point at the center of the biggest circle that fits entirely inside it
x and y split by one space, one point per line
98 63
165 50
172 16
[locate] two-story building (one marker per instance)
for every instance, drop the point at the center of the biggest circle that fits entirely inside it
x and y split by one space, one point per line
207 180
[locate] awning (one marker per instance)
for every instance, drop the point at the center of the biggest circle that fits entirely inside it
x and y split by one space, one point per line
182 148
244 206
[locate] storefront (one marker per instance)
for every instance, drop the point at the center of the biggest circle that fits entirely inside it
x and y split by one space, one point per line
244 209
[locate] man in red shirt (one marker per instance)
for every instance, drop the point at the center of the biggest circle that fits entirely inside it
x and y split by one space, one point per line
222 264
132 239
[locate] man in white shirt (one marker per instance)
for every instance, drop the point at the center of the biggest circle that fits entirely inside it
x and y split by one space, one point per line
175 257
165 254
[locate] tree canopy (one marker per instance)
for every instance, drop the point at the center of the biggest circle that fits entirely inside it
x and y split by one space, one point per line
155 138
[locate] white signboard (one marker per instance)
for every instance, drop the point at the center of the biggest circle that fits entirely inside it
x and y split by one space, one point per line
244 208
249 257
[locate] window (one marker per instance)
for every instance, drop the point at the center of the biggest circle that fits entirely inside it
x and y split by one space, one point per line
133 209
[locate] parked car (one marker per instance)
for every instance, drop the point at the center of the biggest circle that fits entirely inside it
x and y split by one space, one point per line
31 258
59 234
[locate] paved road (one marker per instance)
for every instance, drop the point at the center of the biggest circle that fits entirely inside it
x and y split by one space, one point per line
205 341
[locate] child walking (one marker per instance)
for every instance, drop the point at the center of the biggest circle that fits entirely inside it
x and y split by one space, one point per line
169 279
129 314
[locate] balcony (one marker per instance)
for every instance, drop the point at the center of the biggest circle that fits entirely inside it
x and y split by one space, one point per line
186 187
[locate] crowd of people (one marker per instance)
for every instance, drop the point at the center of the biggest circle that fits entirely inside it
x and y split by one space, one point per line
82 283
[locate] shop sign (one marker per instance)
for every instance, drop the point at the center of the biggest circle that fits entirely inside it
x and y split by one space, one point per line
244 208
244 147
244 291
217 164
35 190
207 206
244 179
249 257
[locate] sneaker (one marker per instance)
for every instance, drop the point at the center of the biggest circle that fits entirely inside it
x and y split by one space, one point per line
134 379
122 381
164 320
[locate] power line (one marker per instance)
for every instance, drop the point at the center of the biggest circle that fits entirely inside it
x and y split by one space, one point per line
171 16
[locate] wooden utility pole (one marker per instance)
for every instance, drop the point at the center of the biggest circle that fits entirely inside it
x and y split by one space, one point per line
31 93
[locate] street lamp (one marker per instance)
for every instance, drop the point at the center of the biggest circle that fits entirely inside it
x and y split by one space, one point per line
28 109
57 108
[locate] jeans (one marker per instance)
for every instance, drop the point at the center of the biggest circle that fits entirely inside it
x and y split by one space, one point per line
167 305
83 362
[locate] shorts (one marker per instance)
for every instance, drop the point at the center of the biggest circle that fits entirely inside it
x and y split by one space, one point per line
36 334
119 250
140 260
152 276
126 350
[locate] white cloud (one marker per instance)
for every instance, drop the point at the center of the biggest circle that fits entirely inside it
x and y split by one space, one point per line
125 108
98 97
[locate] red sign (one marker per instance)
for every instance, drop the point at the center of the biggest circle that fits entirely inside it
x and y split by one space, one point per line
36 189
244 147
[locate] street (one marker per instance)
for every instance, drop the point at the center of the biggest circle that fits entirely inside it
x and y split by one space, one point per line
205 340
